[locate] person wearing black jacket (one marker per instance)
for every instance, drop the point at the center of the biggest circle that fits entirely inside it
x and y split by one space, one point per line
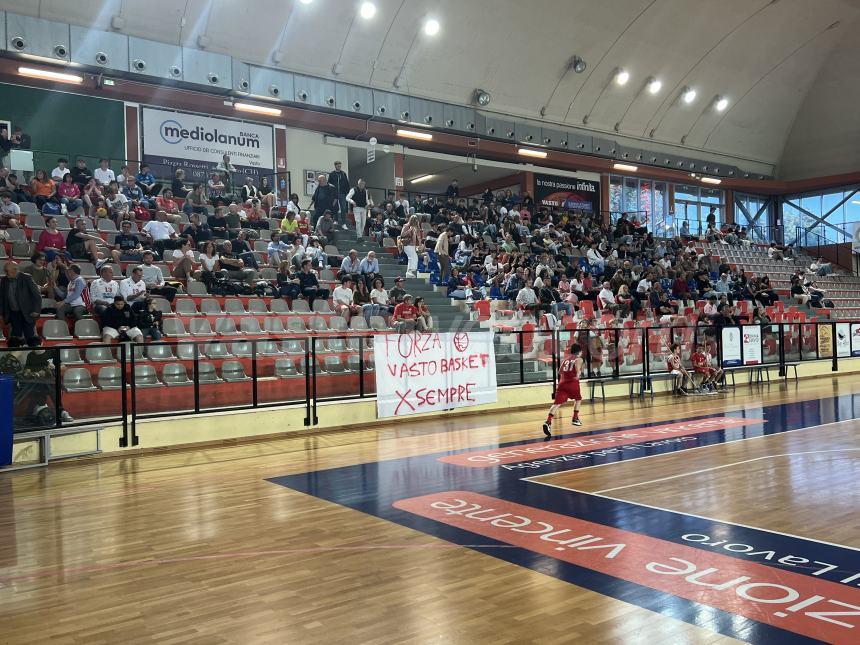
309 285
81 174
339 180
120 323
324 199
20 305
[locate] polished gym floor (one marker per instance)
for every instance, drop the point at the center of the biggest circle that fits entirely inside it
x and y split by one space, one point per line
702 520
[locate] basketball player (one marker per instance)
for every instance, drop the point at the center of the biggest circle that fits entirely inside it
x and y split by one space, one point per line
702 365
568 387
682 376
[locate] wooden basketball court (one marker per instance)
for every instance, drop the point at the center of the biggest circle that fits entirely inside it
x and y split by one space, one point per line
736 519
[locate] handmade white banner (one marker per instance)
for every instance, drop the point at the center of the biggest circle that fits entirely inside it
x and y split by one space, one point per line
197 143
425 372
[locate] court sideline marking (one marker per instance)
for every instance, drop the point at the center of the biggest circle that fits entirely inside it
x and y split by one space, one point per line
730 465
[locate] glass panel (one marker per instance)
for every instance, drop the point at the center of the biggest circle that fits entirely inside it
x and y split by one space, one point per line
770 344
281 371
538 356
164 376
646 203
631 195
615 203
852 211
791 220
688 193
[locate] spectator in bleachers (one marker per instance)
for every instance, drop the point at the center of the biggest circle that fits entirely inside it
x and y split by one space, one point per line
94 199
198 232
166 203
124 173
234 265
138 200
350 266
325 228
361 298
425 318
80 173
149 321
81 245
368 268
61 170
339 180
360 200
343 299
324 199
457 287
256 217
243 250
821 267
103 174
10 212
160 234
6 146
249 193
309 284
178 186
103 290
10 183
119 323
227 170
404 318
73 303
196 200
183 260
396 293
51 241
378 301
293 204
453 189
442 250
268 196
234 215
287 283
118 205
217 190
148 184
208 264
133 289
20 306
217 222
278 251
42 188
289 227
42 274
127 246
314 252
153 278
799 292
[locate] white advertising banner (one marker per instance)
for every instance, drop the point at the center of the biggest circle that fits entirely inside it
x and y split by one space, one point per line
843 340
855 339
731 346
423 372
751 341
198 144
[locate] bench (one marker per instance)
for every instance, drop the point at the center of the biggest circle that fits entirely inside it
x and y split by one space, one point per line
761 373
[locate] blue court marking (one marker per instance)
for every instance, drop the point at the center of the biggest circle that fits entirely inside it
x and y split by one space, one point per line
372 488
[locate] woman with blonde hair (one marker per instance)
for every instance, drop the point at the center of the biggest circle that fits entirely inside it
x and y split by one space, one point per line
410 237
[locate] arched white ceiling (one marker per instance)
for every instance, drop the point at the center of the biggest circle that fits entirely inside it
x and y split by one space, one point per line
764 56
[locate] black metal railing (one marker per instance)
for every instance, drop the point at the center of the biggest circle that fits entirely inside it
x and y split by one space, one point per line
128 383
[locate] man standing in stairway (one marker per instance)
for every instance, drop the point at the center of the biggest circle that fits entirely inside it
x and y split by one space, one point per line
338 179
360 200
324 199
441 249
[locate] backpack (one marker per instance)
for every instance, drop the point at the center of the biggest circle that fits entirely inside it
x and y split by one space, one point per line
51 208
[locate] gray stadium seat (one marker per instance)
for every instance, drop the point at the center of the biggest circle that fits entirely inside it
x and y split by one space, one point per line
317 323
286 368
322 307
336 345
338 323
78 379
145 376
234 307
70 356
159 352
250 326
186 307
110 378
175 374
279 306
200 327
206 373
29 208
378 323
186 351
274 326
98 355
242 348
300 306
210 307
358 323
195 288
333 365
267 348
87 329
215 350
173 328
232 372
257 306
296 325
56 330
295 347
226 327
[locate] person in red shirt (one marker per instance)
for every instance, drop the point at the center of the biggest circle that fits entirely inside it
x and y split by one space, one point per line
405 316
682 376
165 202
568 387
702 365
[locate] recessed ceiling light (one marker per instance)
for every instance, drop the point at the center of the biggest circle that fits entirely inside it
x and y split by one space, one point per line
578 65
431 27
414 134
257 109
625 166
621 76
421 178
711 180
306 1
654 86
368 10
688 95
48 75
721 104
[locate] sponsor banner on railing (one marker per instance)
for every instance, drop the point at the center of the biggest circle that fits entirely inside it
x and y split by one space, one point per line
731 347
197 143
422 372
843 340
855 339
825 341
751 335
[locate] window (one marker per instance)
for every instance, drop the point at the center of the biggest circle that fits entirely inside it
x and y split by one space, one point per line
747 207
825 217
692 203
615 194
643 199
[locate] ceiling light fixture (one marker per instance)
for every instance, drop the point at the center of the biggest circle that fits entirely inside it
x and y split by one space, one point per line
578 65
431 27
256 109
306 1
711 180
48 75
625 166
421 178
367 11
621 76
414 134
688 95
530 152
721 104
654 86
482 97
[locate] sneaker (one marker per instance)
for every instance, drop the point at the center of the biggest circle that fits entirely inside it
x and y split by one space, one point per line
38 409
100 264
65 416
577 421
682 391
343 226
547 430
